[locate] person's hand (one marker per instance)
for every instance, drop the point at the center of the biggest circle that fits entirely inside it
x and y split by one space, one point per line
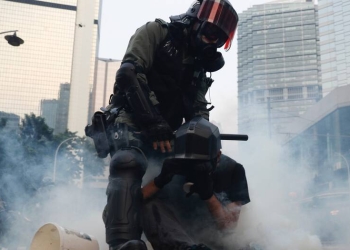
162 145
160 134
203 183
169 169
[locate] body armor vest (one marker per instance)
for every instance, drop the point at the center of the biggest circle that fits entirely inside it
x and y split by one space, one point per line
173 80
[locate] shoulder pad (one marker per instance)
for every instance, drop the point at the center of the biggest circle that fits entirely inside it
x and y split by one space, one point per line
162 22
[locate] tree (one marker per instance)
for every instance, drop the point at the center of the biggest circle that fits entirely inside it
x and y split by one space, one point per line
93 165
37 141
75 156
21 158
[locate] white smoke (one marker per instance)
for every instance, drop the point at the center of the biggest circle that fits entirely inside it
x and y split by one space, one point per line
272 220
28 207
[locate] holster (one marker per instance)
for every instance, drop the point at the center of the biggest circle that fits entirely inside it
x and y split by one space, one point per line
98 132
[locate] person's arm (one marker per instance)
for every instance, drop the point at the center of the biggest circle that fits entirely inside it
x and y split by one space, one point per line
169 169
226 216
144 43
132 81
149 190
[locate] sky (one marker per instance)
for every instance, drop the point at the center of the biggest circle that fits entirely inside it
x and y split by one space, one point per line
120 19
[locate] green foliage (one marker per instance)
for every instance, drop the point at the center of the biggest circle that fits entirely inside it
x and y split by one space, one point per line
36 139
6 155
75 155
3 122
27 155
93 165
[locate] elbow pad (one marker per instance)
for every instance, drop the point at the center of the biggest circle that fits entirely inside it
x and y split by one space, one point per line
137 95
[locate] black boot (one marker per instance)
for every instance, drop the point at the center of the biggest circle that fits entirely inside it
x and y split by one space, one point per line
130 245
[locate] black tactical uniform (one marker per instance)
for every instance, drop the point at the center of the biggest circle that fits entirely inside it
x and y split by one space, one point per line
171 219
162 82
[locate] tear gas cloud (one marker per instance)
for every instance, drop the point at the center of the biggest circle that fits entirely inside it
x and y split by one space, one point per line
274 219
279 216
26 207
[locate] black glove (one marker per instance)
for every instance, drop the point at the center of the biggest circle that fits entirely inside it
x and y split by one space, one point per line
159 131
169 169
203 183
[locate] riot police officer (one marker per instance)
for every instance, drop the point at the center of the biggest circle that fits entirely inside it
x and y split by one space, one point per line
161 82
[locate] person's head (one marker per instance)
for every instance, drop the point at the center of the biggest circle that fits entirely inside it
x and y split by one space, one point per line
213 25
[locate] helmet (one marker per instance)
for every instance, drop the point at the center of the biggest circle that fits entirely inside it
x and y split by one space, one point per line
217 17
221 14
197 139
214 25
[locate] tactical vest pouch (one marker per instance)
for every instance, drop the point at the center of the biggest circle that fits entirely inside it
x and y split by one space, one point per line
97 131
125 136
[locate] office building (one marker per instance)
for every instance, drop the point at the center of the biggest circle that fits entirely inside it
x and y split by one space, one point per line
60 43
278 64
319 143
62 109
48 110
103 84
334 23
55 111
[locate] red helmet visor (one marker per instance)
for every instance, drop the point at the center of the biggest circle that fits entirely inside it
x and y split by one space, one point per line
222 14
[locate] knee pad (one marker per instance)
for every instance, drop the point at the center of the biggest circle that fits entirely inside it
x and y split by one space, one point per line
128 163
124 196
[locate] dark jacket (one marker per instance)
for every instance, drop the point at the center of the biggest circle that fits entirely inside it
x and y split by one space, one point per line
162 58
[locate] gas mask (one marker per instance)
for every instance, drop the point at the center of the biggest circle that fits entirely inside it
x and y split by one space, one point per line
216 26
208 38
215 19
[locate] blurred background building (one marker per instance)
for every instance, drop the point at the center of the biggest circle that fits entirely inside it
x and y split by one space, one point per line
48 110
103 84
319 141
60 44
55 111
278 64
334 23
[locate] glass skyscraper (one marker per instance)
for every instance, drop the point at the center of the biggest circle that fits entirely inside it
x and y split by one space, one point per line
334 22
278 64
60 43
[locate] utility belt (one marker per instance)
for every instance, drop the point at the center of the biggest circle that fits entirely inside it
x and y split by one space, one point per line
109 137
123 136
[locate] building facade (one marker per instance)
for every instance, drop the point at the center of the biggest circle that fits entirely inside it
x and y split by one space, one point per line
60 43
334 23
103 84
319 141
62 108
278 64
48 110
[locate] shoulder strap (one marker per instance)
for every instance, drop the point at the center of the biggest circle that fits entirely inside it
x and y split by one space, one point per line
162 22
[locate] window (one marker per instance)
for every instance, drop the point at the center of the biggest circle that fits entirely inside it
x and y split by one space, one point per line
312 91
260 96
295 93
276 94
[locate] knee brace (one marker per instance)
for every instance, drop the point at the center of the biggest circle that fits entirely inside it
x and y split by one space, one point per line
124 197
128 163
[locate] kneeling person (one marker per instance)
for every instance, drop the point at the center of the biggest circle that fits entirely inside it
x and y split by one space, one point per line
173 220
